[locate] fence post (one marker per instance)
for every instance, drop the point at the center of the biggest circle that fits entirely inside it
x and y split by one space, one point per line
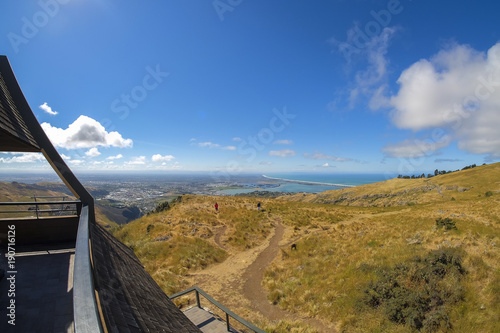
227 323
36 206
198 299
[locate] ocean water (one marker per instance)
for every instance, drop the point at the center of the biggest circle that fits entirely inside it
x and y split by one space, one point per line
311 182
333 179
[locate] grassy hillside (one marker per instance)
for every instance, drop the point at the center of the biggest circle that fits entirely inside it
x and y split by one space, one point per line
461 185
396 256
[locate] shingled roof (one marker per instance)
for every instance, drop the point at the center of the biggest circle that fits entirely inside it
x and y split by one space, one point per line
131 301
14 133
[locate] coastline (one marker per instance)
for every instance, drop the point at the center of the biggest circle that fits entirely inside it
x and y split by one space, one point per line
308 182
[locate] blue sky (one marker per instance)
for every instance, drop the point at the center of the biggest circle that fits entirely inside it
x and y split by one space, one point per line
259 86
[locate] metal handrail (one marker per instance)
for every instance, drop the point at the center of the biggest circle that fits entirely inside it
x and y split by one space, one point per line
228 312
27 203
37 210
85 309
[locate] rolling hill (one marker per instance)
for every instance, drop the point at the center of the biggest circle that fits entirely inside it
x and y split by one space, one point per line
403 255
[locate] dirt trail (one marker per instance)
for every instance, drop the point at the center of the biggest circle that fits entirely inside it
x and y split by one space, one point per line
240 277
257 295
254 274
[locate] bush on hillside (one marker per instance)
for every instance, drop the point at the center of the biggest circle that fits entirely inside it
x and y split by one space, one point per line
446 223
418 293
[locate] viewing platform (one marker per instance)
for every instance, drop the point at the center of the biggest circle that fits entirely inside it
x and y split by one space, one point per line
62 271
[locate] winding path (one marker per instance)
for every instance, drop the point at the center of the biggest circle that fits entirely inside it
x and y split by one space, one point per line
257 295
240 277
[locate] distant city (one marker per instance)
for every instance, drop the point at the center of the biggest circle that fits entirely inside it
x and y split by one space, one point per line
143 192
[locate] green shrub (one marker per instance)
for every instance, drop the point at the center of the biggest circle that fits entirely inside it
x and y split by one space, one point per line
446 223
161 207
488 194
417 293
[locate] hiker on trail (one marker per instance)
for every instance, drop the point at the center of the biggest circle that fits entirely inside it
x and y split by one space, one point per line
258 206
216 207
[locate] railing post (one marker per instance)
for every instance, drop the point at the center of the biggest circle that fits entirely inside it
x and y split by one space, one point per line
36 207
227 323
198 299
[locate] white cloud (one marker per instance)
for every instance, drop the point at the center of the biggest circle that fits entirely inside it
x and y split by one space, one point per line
415 148
237 139
84 132
141 160
458 90
282 153
160 158
47 109
371 81
116 157
283 142
212 145
93 152
24 158
265 163
208 144
326 165
65 157
321 156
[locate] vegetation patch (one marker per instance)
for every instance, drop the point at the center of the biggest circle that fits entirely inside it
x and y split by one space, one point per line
418 293
446 223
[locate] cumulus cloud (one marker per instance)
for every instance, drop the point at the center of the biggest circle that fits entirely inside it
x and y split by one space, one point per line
116 157
160 158
141 160
84 132
321 156
93 152
23 158
457 90
282 153
47 109
326 165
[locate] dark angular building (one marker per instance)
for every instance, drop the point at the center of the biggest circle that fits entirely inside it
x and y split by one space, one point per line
68 273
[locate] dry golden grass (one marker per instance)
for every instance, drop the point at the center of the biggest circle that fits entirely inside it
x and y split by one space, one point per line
340 248
466 184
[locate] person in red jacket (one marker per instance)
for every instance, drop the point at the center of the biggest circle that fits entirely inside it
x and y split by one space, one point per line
216 207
